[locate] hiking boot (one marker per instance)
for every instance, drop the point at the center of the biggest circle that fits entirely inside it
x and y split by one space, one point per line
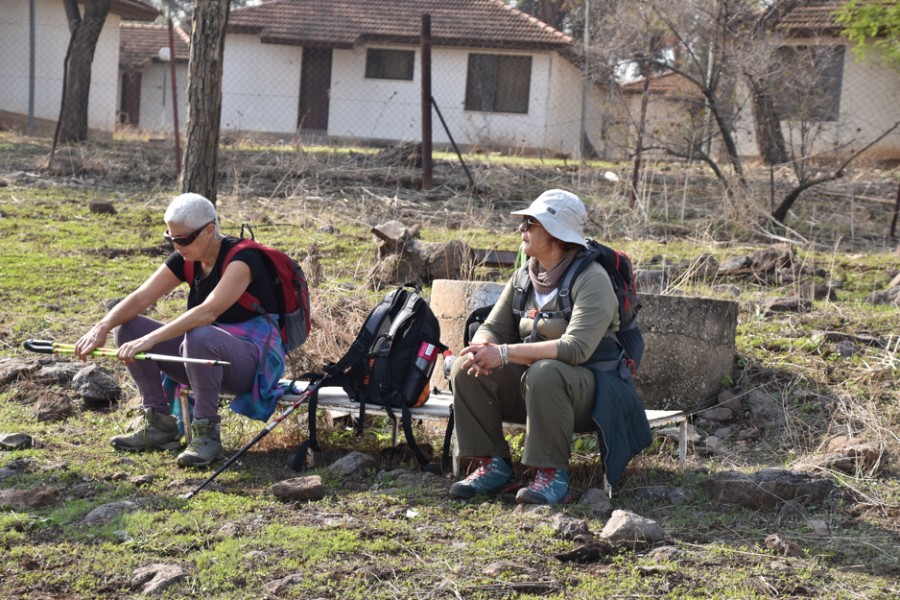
491 477
156 430
550 487
205 446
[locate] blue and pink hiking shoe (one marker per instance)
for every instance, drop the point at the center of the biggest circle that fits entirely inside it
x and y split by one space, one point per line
492 477
551 486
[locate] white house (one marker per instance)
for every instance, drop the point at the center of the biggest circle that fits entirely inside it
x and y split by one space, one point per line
145 74
350 69
34 50
830 102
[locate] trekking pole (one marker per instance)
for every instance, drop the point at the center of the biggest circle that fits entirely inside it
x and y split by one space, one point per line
48 347
311 389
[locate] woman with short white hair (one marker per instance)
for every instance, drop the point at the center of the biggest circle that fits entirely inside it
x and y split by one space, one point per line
214 326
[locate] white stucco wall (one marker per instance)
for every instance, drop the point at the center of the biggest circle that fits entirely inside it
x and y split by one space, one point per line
869 105
391 109
51 42
156 97
260 85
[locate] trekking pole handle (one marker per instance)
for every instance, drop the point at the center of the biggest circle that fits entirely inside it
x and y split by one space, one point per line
48 347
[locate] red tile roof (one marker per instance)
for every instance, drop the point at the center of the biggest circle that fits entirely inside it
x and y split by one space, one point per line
343 23
816 17
140 44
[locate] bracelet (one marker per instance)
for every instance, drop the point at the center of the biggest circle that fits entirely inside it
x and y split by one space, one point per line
504 355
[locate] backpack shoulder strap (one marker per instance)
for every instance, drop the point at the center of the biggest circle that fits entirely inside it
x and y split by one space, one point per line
522 285
564 293
371 329
382 368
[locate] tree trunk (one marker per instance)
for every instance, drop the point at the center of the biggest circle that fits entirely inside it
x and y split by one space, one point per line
639 147
769 137
74 114
204 110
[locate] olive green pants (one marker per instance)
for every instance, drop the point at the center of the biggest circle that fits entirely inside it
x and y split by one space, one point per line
553 400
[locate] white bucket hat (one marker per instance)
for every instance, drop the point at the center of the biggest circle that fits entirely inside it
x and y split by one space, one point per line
561 213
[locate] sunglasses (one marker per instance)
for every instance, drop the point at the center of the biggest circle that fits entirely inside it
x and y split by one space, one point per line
527 222
185 240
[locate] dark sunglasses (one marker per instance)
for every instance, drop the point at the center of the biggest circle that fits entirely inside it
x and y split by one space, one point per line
527 222
185 240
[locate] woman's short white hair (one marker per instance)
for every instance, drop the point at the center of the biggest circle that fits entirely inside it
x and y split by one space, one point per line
192 211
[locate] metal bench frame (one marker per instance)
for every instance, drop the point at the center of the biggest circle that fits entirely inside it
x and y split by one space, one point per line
438 408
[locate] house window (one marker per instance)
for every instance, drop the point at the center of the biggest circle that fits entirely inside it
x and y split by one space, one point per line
497 83
390 64
811 86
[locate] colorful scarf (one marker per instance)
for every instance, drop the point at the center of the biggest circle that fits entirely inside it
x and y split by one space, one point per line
545 281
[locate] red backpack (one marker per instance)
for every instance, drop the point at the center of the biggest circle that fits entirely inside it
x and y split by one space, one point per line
291 289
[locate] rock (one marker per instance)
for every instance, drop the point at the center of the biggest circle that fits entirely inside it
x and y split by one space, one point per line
15 441
767 488
664 553
14 467
13 369
651 281
855 456
817 291
279 586
154 579
100 207
791 304
589 552
625 529
108 512
819 527
31 498
141 480
354 463
772 259
728 399
495 569
678 496
58 372
895 282
300 488
567 528
736 264
846 348
765 411
449 260
53 408
727 289
96 384
598 502
783 546
230 530
889 296
717 413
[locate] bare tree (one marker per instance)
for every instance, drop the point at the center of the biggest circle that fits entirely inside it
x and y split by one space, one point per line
85 31
204 111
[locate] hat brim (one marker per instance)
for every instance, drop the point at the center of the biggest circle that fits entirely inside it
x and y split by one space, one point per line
553 227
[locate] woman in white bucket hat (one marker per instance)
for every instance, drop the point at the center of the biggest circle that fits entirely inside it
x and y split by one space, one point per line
527 366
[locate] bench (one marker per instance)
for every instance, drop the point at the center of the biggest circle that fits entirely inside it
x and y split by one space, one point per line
438 408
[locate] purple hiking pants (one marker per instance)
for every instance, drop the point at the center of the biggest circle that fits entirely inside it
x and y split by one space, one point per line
206 381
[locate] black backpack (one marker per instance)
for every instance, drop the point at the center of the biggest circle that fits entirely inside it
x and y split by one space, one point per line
618 267
389 364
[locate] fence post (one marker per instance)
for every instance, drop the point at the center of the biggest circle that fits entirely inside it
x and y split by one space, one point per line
427 164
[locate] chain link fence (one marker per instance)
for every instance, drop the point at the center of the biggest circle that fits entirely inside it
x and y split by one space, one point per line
528 94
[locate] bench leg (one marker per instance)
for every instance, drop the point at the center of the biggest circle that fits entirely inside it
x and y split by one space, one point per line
185 414
682 444
394 427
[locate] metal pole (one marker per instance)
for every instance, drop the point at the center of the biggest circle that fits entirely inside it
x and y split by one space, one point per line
586 80
31 67
427 162
174 99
